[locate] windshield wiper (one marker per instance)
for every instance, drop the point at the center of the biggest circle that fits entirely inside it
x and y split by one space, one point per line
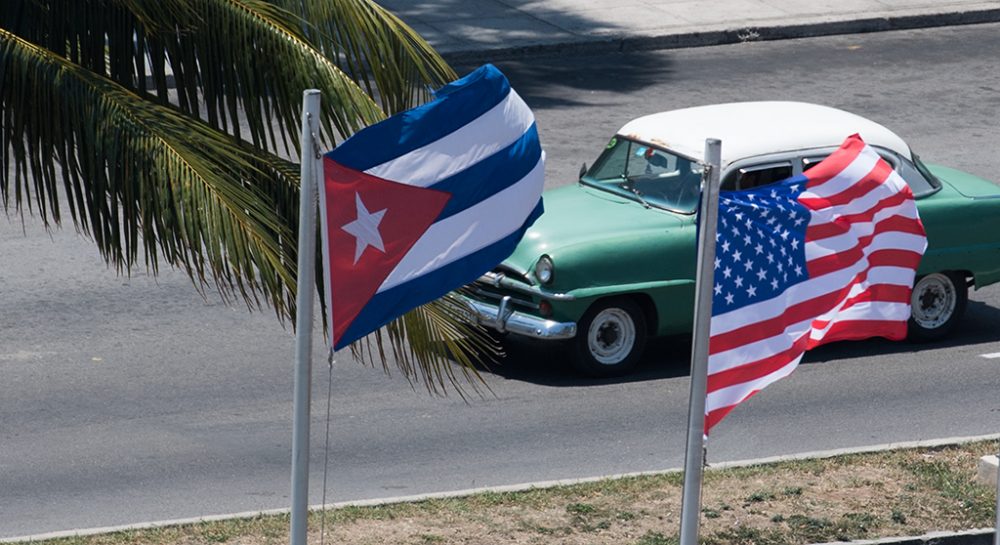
628 186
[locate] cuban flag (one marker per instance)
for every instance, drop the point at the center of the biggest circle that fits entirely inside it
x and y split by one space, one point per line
427 201
824 256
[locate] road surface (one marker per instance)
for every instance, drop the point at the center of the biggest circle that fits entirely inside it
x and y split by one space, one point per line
127 399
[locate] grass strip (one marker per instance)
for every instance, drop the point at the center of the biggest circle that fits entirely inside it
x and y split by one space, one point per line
858 496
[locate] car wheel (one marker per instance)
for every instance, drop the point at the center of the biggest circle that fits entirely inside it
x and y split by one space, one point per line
610 338
936 304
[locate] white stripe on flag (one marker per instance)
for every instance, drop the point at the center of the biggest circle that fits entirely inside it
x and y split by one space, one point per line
868 310
857 205
804 291
856 170
764 348
732 395
904 278
471 229
758 350
849 239
891 275
482 137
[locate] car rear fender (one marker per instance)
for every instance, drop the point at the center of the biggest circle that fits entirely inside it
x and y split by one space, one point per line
962 221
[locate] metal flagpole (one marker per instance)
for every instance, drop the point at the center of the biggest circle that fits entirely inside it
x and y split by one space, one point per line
304 317
694 457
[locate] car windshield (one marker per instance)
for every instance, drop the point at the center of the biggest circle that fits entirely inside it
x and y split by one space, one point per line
924 183
652 176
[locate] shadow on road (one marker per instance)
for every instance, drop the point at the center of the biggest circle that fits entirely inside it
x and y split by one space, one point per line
670 357
549 364
552 82
978 326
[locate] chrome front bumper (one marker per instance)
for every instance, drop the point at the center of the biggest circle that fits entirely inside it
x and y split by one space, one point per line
503 318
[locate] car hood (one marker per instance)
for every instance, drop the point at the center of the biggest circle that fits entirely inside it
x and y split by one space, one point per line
579 216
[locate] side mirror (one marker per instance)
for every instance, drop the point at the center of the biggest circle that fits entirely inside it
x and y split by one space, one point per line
583 170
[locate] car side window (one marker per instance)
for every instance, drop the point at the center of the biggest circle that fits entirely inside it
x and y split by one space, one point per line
809 162
756 176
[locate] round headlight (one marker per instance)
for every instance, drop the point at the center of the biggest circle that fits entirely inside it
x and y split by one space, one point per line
544 270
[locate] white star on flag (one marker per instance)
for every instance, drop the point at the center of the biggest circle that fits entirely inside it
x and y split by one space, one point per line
365 229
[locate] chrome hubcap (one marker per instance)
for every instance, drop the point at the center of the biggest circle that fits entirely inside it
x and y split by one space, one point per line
933 301
611 336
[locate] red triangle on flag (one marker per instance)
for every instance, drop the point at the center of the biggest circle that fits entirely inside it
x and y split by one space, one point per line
371 223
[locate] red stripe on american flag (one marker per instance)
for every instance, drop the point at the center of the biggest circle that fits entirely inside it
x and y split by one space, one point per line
885 293
835 262
855 330
716 416
843 223
845 258
835 164
713 417
761 369
877 293
875 178
758 331
798 312
754 370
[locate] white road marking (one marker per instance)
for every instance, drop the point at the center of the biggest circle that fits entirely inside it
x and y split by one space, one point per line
24 355
992 356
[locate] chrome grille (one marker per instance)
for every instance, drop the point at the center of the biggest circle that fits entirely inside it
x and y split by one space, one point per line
489 288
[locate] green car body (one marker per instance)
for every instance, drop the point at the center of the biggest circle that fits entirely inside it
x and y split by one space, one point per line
604 250
962 221
605 245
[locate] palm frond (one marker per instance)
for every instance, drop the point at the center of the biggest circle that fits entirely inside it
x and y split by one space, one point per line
88 108
107 37
260 70
240 65
143 176
426 341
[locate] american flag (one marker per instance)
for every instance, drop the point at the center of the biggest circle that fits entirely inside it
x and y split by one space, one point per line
824 256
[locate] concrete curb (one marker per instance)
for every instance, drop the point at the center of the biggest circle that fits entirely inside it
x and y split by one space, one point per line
982 536
725 36
936 538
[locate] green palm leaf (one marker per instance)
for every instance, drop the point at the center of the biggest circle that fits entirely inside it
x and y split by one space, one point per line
423 343
160 122
143 176
244 63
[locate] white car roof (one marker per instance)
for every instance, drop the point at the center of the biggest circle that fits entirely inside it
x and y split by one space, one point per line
749 129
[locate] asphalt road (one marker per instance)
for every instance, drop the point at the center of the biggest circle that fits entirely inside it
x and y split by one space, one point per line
134 399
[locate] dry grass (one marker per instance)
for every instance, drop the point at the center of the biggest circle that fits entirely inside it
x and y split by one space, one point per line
906 492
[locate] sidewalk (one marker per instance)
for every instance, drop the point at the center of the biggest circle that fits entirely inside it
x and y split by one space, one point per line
478 30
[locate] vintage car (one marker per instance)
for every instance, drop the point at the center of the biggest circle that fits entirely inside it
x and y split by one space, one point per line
611 262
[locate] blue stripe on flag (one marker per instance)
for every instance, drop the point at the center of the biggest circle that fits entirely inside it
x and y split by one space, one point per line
467 99
387 305
491 175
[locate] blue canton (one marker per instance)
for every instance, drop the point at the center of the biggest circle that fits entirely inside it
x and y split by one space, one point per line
759 244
